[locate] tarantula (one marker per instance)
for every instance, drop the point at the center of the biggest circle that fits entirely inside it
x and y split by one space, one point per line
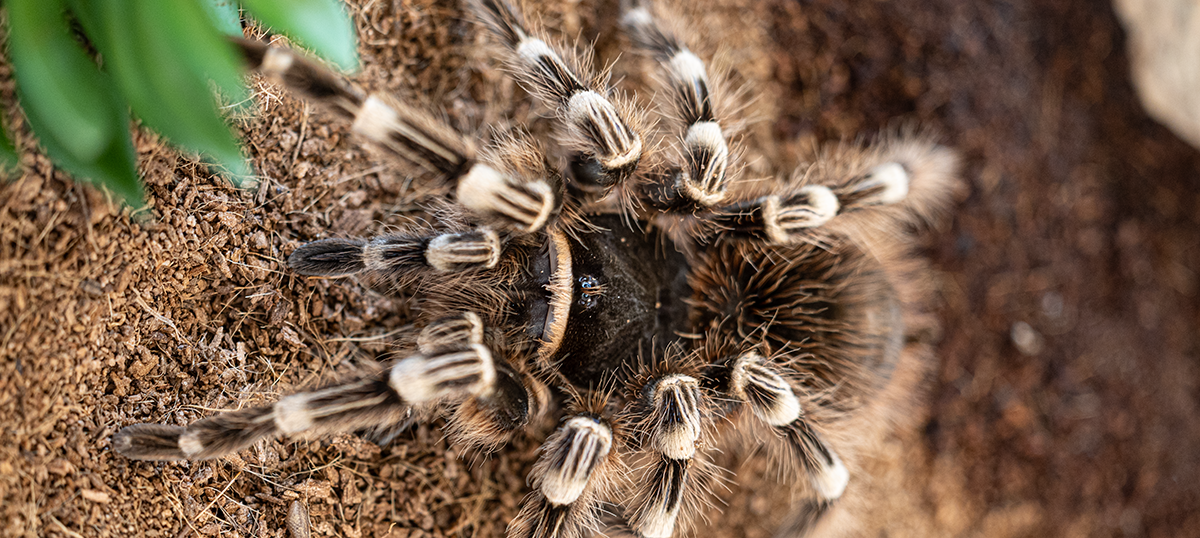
657 304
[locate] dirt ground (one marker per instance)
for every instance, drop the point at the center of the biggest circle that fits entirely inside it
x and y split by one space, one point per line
1065 399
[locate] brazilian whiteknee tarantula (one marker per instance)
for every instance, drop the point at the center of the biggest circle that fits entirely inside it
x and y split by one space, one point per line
666 304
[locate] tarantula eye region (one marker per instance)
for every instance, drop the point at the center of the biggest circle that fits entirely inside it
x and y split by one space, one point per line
589 291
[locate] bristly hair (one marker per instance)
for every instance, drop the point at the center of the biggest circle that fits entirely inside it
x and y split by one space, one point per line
520 158
812 301
639 417
933 171
694 501
592 121
481 426
414 136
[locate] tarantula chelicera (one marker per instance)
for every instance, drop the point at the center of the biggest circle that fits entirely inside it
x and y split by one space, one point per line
663 308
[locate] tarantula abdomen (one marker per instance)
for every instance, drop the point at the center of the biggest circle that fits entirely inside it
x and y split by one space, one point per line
831 307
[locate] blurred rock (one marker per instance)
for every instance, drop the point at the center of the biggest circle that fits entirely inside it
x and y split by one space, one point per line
1164 56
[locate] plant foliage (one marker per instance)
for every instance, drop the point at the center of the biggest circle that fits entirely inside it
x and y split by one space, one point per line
83 66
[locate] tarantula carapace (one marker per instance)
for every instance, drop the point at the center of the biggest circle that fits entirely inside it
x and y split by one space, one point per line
642 293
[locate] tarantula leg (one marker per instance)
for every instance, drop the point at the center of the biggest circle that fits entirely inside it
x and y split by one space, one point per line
566 481
803 518
885 184
362 403
777 218
672 424
306 77
608 147
449 373
486 422
827 473
428 378
398 254
571 455
451 332
459 251
785 218
413 135
418 138
489 419
758 384
525 206
530 193
700 180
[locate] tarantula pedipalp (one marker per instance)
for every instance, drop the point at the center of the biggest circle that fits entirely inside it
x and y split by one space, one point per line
667 311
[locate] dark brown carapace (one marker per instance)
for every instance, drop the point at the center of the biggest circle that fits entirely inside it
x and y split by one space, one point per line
661 308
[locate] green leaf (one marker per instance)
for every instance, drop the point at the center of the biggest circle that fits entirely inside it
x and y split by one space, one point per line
58 80
321 25
71 106
224 15
162 56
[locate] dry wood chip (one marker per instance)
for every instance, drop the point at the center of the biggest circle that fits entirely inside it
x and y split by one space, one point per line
95 496
60 467
233 221
319 489
288 335
279 313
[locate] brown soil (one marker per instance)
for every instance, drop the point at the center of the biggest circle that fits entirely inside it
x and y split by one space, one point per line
1065 402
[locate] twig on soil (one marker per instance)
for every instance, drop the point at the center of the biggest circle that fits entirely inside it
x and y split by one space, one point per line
160 317
64 528
223 490
49 226
303 128
12 330
371 338
364 173
177 505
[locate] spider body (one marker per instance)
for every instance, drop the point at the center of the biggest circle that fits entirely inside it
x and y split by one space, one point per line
661 309
630 290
